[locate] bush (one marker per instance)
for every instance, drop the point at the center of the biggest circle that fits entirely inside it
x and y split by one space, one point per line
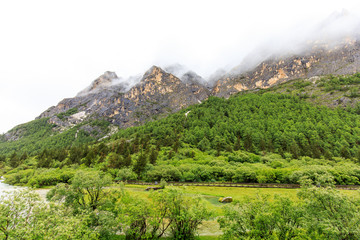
125 174
166 172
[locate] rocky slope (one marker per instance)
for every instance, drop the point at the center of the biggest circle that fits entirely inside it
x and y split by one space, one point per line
321 59
158 92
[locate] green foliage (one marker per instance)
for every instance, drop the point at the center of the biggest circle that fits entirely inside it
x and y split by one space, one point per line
23 215
169 209
330 214
69 112
321 213
39 177
86 190
125 174
258 123
166 172
140 164
36 136
301 84
103 124
261 219
339 82
185 213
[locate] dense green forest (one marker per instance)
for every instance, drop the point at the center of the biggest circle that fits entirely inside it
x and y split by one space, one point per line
263 137
37 135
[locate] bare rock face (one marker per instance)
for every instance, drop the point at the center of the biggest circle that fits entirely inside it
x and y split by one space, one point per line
321 60
198 85
104 81
158 92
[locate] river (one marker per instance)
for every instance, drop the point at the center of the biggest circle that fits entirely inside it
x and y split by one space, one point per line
8 188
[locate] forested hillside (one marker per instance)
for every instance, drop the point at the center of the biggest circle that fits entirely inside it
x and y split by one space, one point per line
37 135
258 123
261 136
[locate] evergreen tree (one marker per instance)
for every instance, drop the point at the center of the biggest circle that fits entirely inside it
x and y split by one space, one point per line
153 156
140 164
237 145
114 160
204 144
127 161
14 160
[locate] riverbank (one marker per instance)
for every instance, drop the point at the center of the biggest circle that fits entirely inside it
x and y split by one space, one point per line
4 187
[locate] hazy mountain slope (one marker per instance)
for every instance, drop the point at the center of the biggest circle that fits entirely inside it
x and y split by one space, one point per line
321 59
331 91
110 105
110 102
158 92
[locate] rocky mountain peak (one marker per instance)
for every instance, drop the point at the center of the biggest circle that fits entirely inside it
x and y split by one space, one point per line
192 77
157 75
103 81
157 93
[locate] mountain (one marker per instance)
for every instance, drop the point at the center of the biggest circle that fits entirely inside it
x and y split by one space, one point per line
106 105
321 59
157 93
111 103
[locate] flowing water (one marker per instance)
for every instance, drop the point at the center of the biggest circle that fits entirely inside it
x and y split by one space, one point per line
6 188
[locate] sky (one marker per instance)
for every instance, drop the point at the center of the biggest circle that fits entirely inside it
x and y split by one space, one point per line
50 50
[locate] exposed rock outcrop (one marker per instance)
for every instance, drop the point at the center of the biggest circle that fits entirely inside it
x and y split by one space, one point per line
321 60
158 92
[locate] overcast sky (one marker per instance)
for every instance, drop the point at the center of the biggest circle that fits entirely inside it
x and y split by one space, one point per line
50 50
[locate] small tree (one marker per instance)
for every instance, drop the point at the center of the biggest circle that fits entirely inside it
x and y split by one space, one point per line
330 213
14 160
262 219
86 190
168 209
114 160
153 156
140 164
15 212
23 215
204 144
185 213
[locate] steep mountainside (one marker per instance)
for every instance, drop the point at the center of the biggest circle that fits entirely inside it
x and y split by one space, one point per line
110 102
343 58
158 92
103 107
331 91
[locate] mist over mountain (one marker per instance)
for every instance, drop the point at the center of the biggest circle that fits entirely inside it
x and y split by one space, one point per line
303 52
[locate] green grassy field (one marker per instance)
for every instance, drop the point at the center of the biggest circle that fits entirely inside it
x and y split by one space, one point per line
212 194
210 229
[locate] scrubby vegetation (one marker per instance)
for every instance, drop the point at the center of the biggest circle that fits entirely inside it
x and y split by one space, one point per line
320 213
331 91
87 208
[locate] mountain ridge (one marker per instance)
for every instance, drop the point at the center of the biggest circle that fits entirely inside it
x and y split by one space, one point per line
158 92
